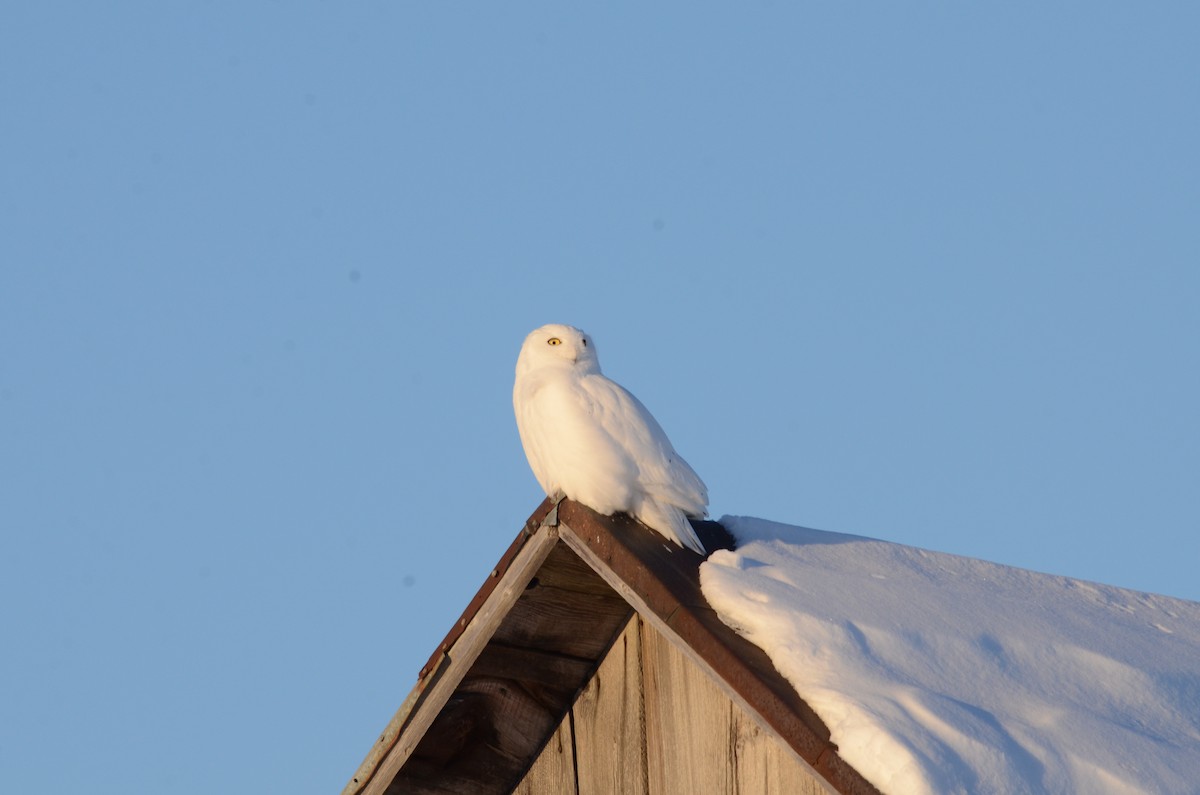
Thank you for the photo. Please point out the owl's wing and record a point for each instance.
(660, 471)
(567, 445)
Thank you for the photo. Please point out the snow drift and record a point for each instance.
(940, 674)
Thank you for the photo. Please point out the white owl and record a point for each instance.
(590, 439)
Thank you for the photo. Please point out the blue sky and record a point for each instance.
(927, 273)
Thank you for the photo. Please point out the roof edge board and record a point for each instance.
(423, 704)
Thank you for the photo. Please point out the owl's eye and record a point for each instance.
(554, 341)
(585, 342)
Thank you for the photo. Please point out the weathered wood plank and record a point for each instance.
(748, 675)
(764, 766)
(530, 666)
(553, 773)
(563, 569)
(689, 724)
(610, 722)
(563, 621)
(700, 741)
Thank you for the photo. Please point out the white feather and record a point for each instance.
(587, 437)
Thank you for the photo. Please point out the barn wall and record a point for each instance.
(651, 723)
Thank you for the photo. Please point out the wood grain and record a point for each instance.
(764, 766)
(700, 741)
(688, 724)
(562, 621)
(553, 773)
(610, 722)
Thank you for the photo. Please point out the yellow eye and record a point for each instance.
(554, 341)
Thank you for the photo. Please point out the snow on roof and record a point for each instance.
(937, 673)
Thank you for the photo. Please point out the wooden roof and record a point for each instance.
(499, 684)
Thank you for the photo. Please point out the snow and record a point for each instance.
(942, 674)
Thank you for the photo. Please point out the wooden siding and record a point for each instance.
(650, 722)
(609, 721)
(554, 770)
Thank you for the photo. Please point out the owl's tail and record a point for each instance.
(669, 522)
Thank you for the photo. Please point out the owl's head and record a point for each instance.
(556, 345)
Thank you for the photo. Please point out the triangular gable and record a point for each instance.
(500, 685)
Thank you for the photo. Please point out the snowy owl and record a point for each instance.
(588, 438)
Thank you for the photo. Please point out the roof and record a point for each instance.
(542, 621)
(942, 673)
